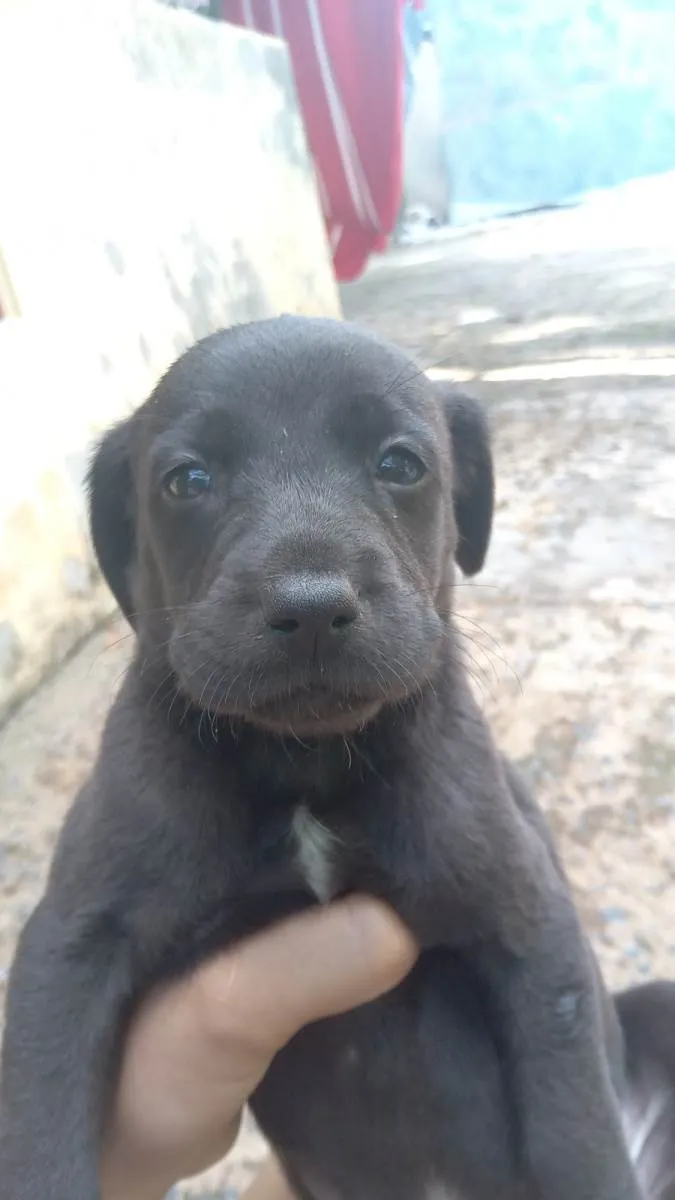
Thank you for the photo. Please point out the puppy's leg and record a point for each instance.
(549, 1005)
(647, 1015)
(562, 1037)
(495, 890)
(67, 994)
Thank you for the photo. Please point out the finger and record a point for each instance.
(323, 962)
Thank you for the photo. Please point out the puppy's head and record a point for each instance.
(279, 522)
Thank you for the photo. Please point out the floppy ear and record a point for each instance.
(111, 515)
(473, 477)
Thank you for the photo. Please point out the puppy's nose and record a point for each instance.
(307, 608)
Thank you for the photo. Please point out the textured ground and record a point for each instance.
(565, 325)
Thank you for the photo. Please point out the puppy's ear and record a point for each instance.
(473, 477)
(111, 513)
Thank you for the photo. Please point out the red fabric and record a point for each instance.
(348, 61)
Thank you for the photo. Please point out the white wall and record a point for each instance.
(156, 185)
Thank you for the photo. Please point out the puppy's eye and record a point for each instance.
(188, 482)
(400, 466)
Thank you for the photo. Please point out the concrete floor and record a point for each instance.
(564, 324)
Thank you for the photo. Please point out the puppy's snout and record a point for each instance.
(310, 609)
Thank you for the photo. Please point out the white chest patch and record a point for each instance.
(438, 1191)
(316, 853)
(647, 1122)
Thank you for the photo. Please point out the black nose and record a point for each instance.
(310, 607)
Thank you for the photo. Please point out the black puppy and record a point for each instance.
(279, 523)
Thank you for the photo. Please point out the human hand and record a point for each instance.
(197, 1048)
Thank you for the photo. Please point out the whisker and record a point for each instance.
(474, 583)
(496, 644)
(175, 696)
(395, 663)
(255, 678)
(199, 728)
(404, 659)
(212, 711)
(284, 745)
(162, 683)
(360, 752)
(464, 641)
(200, 701)
(186, 709)
(125, 637)
(348, 753)
(221, 702)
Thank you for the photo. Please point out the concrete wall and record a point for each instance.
(156, 185)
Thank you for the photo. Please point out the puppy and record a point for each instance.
(279, 523)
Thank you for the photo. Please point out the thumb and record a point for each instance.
(199, 1047)
(320, 963)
